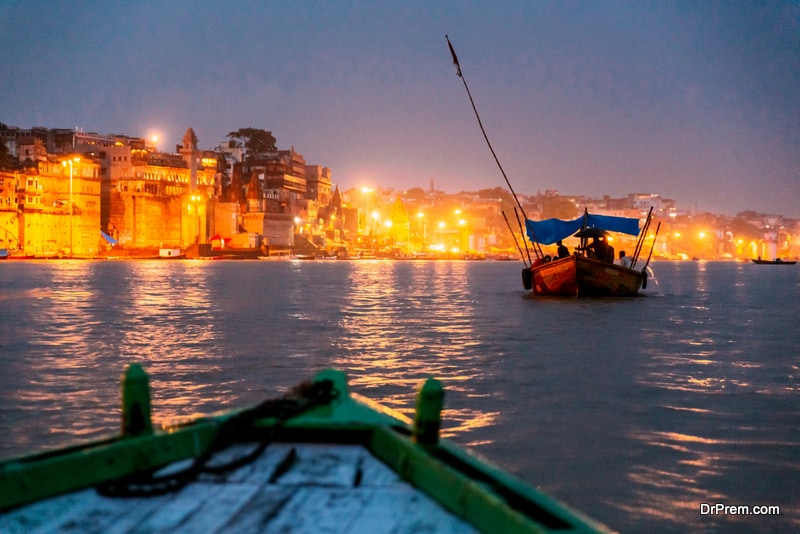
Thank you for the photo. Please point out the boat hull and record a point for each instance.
(773, 262)
(584, 277)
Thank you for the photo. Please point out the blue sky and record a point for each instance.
(696, 101)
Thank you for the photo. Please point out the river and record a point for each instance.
(635, 411)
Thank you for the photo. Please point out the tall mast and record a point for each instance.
(480, 123)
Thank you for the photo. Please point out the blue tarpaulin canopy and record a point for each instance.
(549, 231)
(108, 238)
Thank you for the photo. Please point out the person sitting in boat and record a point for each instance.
(598, 249)
(541, 261)
(563, 251)
(624, 260)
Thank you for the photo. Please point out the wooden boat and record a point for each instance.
(319, 459)
(578, 274)
(777, 261)
(207, 251)
(170, 253)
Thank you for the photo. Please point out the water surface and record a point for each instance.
(635, 411)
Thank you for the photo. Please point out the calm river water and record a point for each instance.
(635, 411)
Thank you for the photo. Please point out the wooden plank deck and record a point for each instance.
(290, 489)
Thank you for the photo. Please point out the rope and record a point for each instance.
(300, 399)
(480, 123)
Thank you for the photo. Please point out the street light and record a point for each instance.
(421, 217)
(196, 201)
(64, 163)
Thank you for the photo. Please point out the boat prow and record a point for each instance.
(318, 459)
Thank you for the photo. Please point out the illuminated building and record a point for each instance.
(154, 199)
(58, 203)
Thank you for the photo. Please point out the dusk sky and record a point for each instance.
(694, 100)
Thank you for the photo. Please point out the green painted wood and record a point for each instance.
(26, 480)
(481, 494)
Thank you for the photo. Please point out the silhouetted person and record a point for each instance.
(563, 251)
(598, 249)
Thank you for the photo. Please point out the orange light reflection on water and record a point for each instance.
(697, 459)
(168, 329)
(158, 306)
(663, 491)
(385, 349)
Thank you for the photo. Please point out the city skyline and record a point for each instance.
(432, 188)
(693, 102)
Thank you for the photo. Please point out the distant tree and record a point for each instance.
(507, 202)
(497, 192)
(748, 214)
(558, 208)
(416, 193)
(743, 229)
(254, 140)
(6, 159)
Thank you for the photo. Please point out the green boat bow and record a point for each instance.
(323, 411)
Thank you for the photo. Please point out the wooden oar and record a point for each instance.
(538, 252)
(651, 247)
(639, 243)
(515, 240)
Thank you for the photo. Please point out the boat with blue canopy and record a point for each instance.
(590, 271)
(550, 231)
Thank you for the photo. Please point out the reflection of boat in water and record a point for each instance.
(776, 261)
(590, 271)
(318, 459)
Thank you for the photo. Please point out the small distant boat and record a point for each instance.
(362, 255)
(203, 251)
(776, 261)
(318, 459)
(170, 253)
(506, 257)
